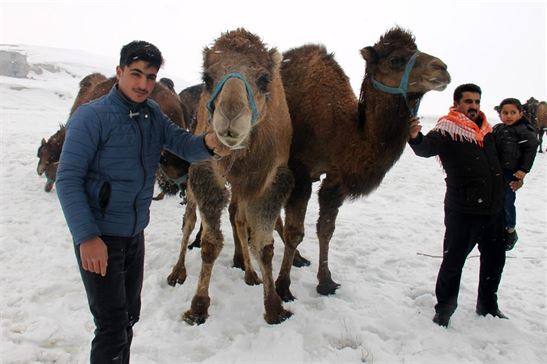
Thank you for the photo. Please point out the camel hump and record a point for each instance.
(92, 79)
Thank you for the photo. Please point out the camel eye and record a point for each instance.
(208, 81)
(263, 82)
(397, 62)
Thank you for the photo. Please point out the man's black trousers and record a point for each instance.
(115, 300)
(463, 231)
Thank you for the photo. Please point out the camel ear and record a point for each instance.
(369, 54)
(43, 141)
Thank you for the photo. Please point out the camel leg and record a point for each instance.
(330, 200)
(261, 216)
(299, 260)
(178, 273)
(238, 254)
(295, 212)
(211, 198)
(241, 239)
(197, 241)
(540, 139)
(159, 197)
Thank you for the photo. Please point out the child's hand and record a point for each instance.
(515, 185)
(520, 174)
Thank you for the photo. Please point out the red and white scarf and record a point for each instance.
(461, 128)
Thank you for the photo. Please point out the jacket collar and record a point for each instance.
(131, 107)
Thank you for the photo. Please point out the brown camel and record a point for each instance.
(536, 112)
(96, 85)
(243, 102)
(541, 122)
(353, 143)
(190, 100)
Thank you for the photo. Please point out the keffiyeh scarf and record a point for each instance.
(461, 128)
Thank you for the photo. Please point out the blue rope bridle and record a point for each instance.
(250, 96)
(403, 85)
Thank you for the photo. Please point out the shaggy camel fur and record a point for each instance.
(96, 85)
(536, 112)
(243, 102)
(541, 122)
(352, 143)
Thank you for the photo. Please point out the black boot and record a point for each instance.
(482, 310)
(441, 319)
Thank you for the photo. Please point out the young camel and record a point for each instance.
(244, 104)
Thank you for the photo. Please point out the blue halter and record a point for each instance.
(250, 96)
(403, 85)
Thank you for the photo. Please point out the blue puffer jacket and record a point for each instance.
(105, 179)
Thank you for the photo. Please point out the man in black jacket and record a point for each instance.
(473, 202)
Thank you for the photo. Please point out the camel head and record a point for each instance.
(174, 170)
(49, 151)
(395, 65)
(237, 73)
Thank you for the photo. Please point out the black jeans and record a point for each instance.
(115, 300)
(463, 231)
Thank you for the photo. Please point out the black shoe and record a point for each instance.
(510, 239)
(494, 312)
(441, 319)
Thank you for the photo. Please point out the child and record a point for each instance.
(516, 143)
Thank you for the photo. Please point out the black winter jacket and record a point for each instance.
(516, 144)
(474, 181)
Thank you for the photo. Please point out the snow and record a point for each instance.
(385, 253)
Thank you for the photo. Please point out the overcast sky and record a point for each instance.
(500, 45)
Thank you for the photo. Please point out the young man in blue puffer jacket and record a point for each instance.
(105, 184)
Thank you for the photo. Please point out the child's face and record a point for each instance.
(510, 114)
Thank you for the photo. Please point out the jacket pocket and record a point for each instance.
(104, 196)
(98, 191)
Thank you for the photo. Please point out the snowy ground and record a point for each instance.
(384, 253)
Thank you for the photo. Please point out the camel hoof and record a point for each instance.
(274, 319)
(283, 291)
(176, 277)
(194, 319)
(326, 289)
(195, 244)
(238, 263)
(159, 196)
(251, 279)
(299, 261)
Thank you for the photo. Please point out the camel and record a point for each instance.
(536, 112)
(48, 155)
(541, 123)
(244, 103)
(190, 100)
(49, 151)
(96, 85)
(353, 143)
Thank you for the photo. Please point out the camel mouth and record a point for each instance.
(232, 142)
(437, 84)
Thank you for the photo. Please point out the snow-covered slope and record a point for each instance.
(384, 253)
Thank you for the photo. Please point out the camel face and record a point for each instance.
(49, 153)
(237, 77)
(396, 56)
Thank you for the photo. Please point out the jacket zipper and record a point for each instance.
(144, 176)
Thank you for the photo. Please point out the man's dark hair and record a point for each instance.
(139, 50)
(467, 87)
(511, 101)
